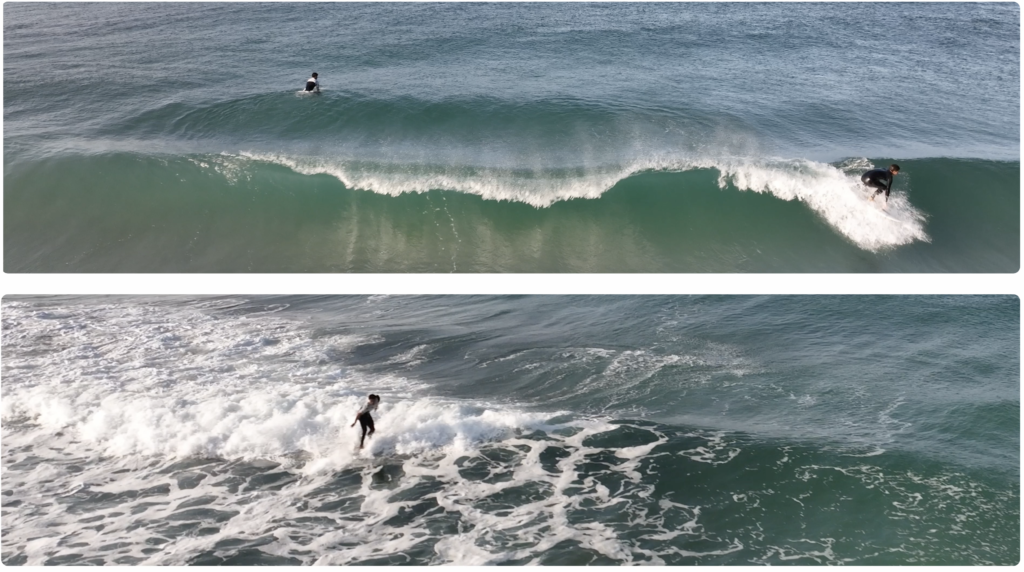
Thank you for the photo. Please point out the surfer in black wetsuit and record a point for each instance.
(880, 180)
(313, 84)
(364, 419)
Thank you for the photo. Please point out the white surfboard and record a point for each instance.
(879, 205)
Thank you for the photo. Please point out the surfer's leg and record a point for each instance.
(362, 423)
(877, 188)
(369, 421)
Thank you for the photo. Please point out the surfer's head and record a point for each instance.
(894, 168)
(314, 74)
(374, 398)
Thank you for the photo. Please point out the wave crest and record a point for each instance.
(833, 192)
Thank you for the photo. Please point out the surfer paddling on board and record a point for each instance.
(364, 419)
(880, 180)
(313, 84)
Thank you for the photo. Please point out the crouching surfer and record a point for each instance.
(880, 180)
(313, 84)
(363, 417)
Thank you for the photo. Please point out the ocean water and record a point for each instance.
(512, 430)
(510, 137)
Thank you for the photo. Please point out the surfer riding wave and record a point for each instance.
(364, 418)
(880, 180)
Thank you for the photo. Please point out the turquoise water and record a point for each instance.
(866, 430)
(510, 137)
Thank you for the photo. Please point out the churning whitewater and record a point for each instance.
(511, 430)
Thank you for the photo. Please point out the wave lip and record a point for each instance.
(835, 193)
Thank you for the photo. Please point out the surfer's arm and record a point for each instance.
(359, 414)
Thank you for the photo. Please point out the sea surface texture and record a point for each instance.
(512, 430)
(510, 137)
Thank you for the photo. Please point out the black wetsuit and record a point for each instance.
(878, 179)
(365, 421)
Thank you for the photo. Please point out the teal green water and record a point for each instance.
(221, 215)
(510, 138)
(862, 430)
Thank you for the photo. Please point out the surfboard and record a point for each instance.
(893, 219)
(878, 204)
(880, 210)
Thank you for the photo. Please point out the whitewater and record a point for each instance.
(512, 430)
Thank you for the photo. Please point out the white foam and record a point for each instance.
(124, 417)
(413, 357)
(189, 386)
(184, 383)
(717, 451)
(157, 434)
(834, 193)
(623, 378)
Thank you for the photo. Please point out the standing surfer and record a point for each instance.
(313, 84)
(363, 417)
(880, 180)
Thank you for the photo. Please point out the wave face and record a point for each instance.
(270, 213)
(544, 430)
(668, 118)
